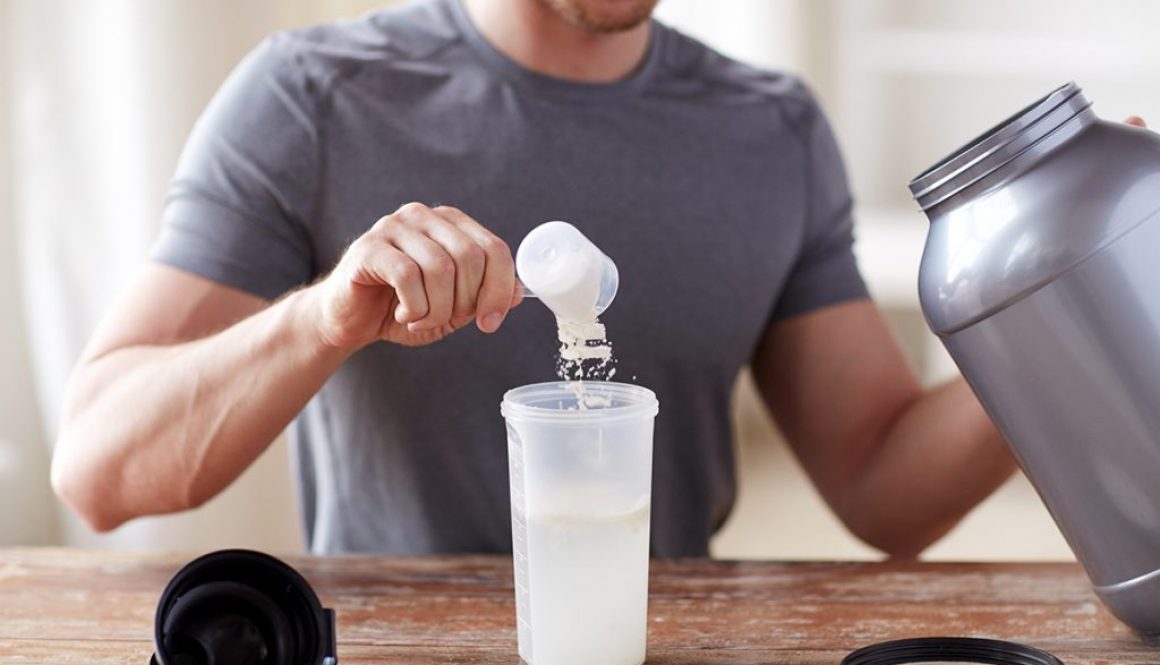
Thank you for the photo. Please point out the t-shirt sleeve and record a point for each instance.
(240, 204)
(825, 272)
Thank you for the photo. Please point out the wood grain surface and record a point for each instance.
(67, 606)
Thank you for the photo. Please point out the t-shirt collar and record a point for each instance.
(545, 83)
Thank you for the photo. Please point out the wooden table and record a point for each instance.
(67, 606)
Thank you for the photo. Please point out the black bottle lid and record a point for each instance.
(239, 607)
(950, 650)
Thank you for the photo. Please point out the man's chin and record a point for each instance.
(604, 16)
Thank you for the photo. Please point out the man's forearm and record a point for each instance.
(154, 429)
(940, 458)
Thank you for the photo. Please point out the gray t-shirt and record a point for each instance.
(717, 188)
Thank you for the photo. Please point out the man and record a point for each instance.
(717, 188)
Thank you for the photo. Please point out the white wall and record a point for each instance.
(27, 516)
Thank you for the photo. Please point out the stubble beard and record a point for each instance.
(582, 13)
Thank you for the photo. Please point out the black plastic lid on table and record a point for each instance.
(950, 650)
(239, 607)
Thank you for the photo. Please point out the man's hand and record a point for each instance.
(416, 276)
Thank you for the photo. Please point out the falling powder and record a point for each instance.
(585, 352)
(587, 400)
(583, 341)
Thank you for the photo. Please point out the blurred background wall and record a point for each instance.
(97, 98)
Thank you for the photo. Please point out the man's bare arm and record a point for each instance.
(899, 466)
(187, 381)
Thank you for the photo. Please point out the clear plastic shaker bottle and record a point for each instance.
(581, 481)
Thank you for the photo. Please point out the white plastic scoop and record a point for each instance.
(559, 265)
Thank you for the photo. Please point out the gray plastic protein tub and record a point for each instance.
(1041, 276)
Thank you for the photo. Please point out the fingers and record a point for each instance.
(444, 266)
(383, 263)
(470, 263)
(438, 270)
(1136, 121)
(496, 291)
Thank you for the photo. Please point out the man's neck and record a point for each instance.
(541, 40)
